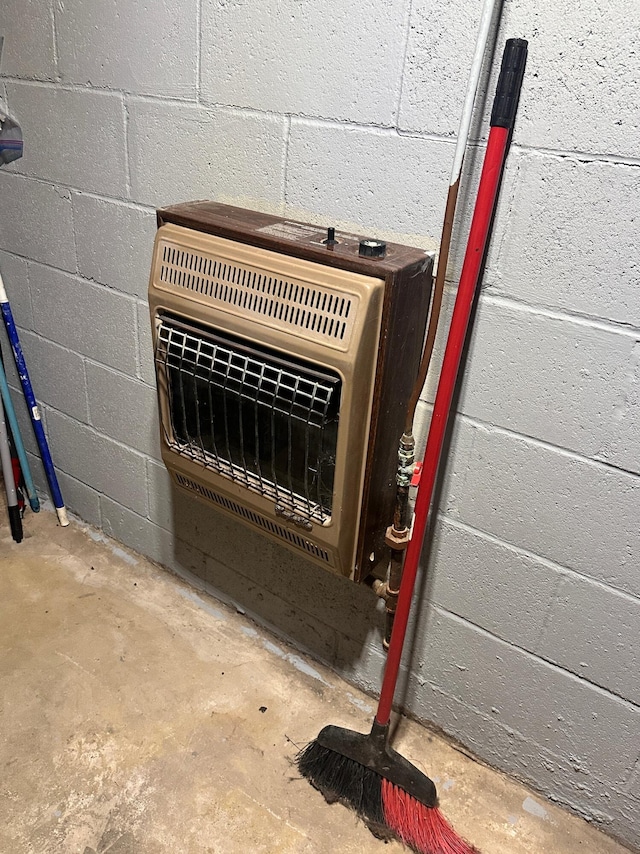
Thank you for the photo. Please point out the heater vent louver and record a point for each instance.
(319, 313)
(255, 518)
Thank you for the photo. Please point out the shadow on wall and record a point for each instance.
(326, 615)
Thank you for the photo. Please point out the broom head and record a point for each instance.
(391, 796)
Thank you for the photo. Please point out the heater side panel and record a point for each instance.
(407, 298)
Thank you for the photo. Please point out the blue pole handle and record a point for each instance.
(17, 441)
(32, 406)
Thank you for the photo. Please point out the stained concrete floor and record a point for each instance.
(141, 717)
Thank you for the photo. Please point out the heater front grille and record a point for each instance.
(267, 422)
(256, 518)
(320, 313)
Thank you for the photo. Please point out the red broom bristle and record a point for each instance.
(422, 828)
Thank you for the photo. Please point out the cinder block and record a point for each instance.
(342, 62)
(328, 600)
(621, 445)
(91, 157)
(490, 584)
(226, 540)
(567, 383)
(28, 40)
(271, 610)
(570, 237)
(616, 813)
(223, 154)
(161, 495)
(41, 224)
(124, 409)
(577, 513)
(114, 243)
(374, 179)
(57, 375)
(362, 664)
(593, 632)
(146, 370)
(456, 455)
(141, 535)
(251, 570)
(95, 321)
(633, 784)
(16, 282)
(568, 101)
(39, 477)
(438, 59)
(22, 413)
(500, 744)
(156, 46)
(545, 705)
(107, 466)
(601, 801)
(137, 532)
(80, 499)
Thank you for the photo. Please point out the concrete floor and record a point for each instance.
(140, 717)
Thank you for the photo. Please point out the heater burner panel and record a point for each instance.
(263, 421)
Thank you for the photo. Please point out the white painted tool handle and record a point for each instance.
(472, 88)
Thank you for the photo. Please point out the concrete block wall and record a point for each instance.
(526, 646)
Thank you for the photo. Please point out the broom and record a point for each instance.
(362, 771)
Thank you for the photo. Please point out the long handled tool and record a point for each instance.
(362, 771)
(15, 520)
(34, 502)
(11, 145)
(397, 536)
(11, 148)
(32, 405)
(452, 201)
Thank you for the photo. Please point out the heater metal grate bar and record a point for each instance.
(266, 422)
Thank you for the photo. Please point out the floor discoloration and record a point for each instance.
(139, 717)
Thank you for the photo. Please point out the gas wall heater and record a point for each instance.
(285, 357)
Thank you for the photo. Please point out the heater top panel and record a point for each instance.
(282, 292)
(294, 238)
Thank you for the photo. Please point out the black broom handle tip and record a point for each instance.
(505, 104)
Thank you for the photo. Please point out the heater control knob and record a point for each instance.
(330, 240)
(372, 248)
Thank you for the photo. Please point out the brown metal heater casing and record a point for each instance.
(245, 285)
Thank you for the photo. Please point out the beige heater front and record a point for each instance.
(217, 302)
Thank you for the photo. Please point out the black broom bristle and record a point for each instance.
(342, 779)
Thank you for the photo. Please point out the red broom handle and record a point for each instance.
(502, 117)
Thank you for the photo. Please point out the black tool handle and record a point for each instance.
(505, 104)
(15, 521)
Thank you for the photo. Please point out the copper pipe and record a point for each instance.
(436, 303)
(397, 535)
(392, 592)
